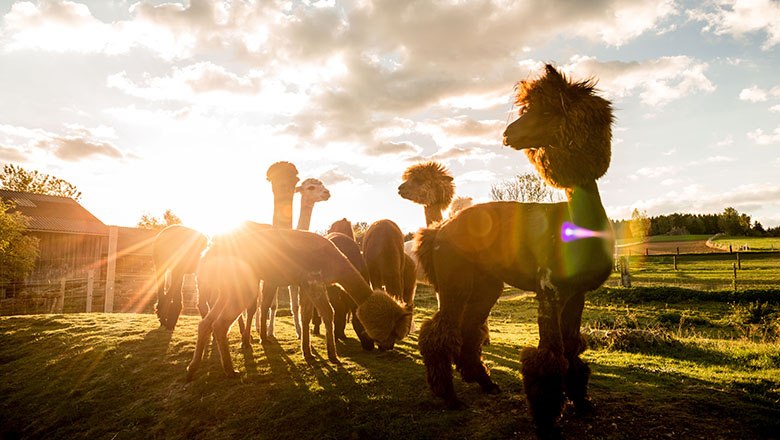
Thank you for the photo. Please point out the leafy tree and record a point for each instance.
(18, 251)
(640, 224)
(16, 178)
(149, 221)
(527, 187)
(733, 223)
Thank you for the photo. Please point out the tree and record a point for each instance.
(18, 251)
(359, 229)
(733, 223)
(149, 221)
(16, 178)
(528, 187)
(640, 224)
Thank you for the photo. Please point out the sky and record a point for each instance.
(147, 106)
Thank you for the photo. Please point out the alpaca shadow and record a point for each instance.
(156, 341)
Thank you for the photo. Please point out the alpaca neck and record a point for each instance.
(283, 210)
(304, 220)
(354, 283)
(432, 214)
(586, 209)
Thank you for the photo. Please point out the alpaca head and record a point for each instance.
(564, 128)
(459, 204)
(385, 320)
(427, 183)
(312, 191)
(344, 226)
(283, 177)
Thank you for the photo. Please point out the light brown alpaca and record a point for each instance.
(312, 191)
(458, 204)
(383, 249)
(235, 263)
(558, 250)
(284, 178)
(428, 184)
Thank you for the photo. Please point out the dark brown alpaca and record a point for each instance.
(560, 251)
(344, 226)
(235, 263)
(383, 249)
(176, 249)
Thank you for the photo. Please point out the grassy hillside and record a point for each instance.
(675, 368)
(752, 243)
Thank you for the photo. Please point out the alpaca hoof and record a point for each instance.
(268, 340)
(342, 338)
(232, 374)
(308, 358)
(246, 345)
(190, 375)
(334, 360)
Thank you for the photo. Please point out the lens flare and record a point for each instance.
(571, 232)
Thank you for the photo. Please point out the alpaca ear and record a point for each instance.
(298, 189)
(448, 178)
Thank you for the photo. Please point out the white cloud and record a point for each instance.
(657, 82)
(740, 17)
(759, 137)
(753, 94)
(75, 144)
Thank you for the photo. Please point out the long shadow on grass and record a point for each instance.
(658, 403)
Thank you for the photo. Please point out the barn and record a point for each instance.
(84, 264)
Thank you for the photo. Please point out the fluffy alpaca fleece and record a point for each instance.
(565, 129)
(176, 249)
(235, 263)
(428, 184)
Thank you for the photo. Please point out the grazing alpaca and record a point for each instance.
(234, 264)
(283, 177)
(459, 204)
(312, 191)
(383, 249)
(344, 226)
(176, 249)
(558, 250)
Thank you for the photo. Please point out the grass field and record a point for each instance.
(666, 364)
(753, 243)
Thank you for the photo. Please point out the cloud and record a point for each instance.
(759, 137)
(394, 148)
(657, 82)
(76, 144)
(335, 176)
(12, 154)
(449, 132)
(753, 94)
(740, 17)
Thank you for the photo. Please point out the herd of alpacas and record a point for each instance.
(564, 129)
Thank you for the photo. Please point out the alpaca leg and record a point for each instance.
(573, 345)
(221, 327)
(544, 368)
(439, 343)
(267, 297)
(175, 299)
(473, 334)
(246, 334)
(295, 308)
(339, 312)
(306, 310)
(204, 332)
(319, 297)
(273, 309)
(162, 300)
(316, 322)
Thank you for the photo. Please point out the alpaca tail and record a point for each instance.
(425, 243)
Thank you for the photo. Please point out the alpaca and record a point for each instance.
(176, 249)
(459, 204)
(558, 250)
(428, 184)
(283, 177)
(234, 264)
(344, 226)
(383, 249)
(312, 191)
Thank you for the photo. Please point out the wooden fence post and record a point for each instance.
(90, 287)
(734, 265)
(625, 274)
(674, 257)
(113, 234)
(61, 299)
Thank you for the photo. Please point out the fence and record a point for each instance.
(703, 271)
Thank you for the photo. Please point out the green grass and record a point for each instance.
(754, 243)
(705, 271)
(117, 376)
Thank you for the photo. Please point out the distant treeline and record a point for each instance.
(729, 222)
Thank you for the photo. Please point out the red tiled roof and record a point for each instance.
(54, 213)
